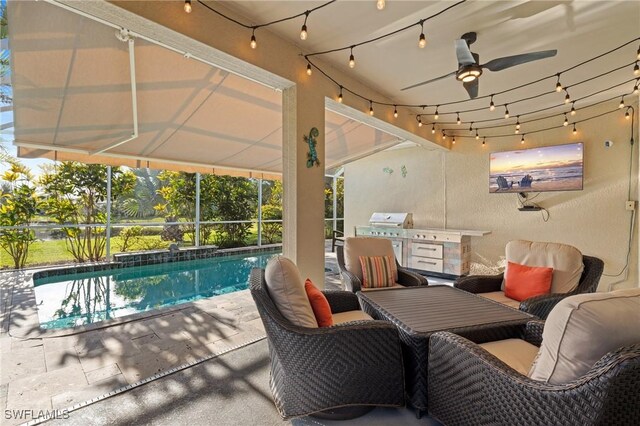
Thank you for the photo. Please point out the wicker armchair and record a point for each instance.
(353, 283)
(469, 386)
(315, 370)
(539, 306)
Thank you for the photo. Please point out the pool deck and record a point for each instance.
(45, 370)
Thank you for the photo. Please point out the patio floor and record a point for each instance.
(45, 370)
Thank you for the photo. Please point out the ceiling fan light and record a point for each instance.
(468, 73)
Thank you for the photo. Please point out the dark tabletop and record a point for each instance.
(439, 307)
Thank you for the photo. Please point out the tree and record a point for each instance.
(272, 210)
(18, 206)
(146, 195)
(234, 199)
(328, 203)
(76, 194)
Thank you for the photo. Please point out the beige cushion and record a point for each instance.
(583, 328)
(516, 353)
(396, 285)
(498, 296)
(349, 316)
(354, 247)
(565, 260)
(286, 288)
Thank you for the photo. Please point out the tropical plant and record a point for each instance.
(145, 196)
(129, 236)
(272, 210)
(18, 207)
(75, 194)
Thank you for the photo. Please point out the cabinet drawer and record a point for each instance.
(425, 264)
(426, 250)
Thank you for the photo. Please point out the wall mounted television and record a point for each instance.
(549, 168)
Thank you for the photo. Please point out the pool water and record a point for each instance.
(79, 299)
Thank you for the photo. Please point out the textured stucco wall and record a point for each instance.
(452, 188)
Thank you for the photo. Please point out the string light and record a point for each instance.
(308, 69)
(575, 131)
(635, 88)
(471, 127)
(422, 41)
(484, 140)
(522, 139)
(187, 6)
(558, 85)
(567, 98)
(370, 107)
(573, 108)
(254, 42)
(419, 121)
(380, 4)
(433, 128)
(566, 121)
(303, 30)
(636, 69)
(352, 59)
(627, 115)
(506, 111)
(453, 141)
(477, 135)
(492, 106)
(395, 111)
(458, 121)
(517, 122)
(638, 55)
(621, 103)
(435, 116)
(340, 95)
(444, 135)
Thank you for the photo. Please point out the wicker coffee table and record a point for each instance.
(418, 312)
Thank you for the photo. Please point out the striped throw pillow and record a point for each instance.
(378, 271)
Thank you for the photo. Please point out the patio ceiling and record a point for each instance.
(73, 101)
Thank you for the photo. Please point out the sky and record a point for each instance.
(536, 158)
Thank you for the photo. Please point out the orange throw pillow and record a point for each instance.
(523, 282)
(319, 304)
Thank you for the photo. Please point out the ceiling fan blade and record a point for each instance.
(463, 53)
(500, 64)
(430, 81)
(472, 88)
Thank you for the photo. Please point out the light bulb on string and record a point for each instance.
(573, 108)
(419, 121)
(627, 116)
(635, 88)
(566, 121)
(492, 106)
(303, 30)
(477, 135)
(187, 6)
(621, 105)
(458, 121)
(309, 69)
(433, 128)
(444, 135)
(453, 141)
(636, 69)
(522, 139)
(254, 42)
(352, 59)
(506, 111)
(575, 131)
(380, 4)
(558, 84)
(370, 107)
(436, 116)
(638, 55)
(395, 111)
(484, 140)
(517, 122)
(471, 127)
(567, 98)
(340, 95)
(422, 40)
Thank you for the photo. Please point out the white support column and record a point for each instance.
(303, 201)
(335, 202)
(197, 236)
(108, 230)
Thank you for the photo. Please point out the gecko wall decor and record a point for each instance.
(312, 155)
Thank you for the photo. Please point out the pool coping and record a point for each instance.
(105, 266)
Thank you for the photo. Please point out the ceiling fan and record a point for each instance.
(469, 68)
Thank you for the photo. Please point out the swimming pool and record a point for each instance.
(84, 298)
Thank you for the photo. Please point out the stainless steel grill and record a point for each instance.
(391, 220)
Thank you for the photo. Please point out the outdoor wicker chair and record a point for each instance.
(351, 274)
(340, 371)
(540, 306)
(503, 383)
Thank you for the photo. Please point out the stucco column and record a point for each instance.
(303, 216)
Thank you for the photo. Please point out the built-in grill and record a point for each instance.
(391, 220)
